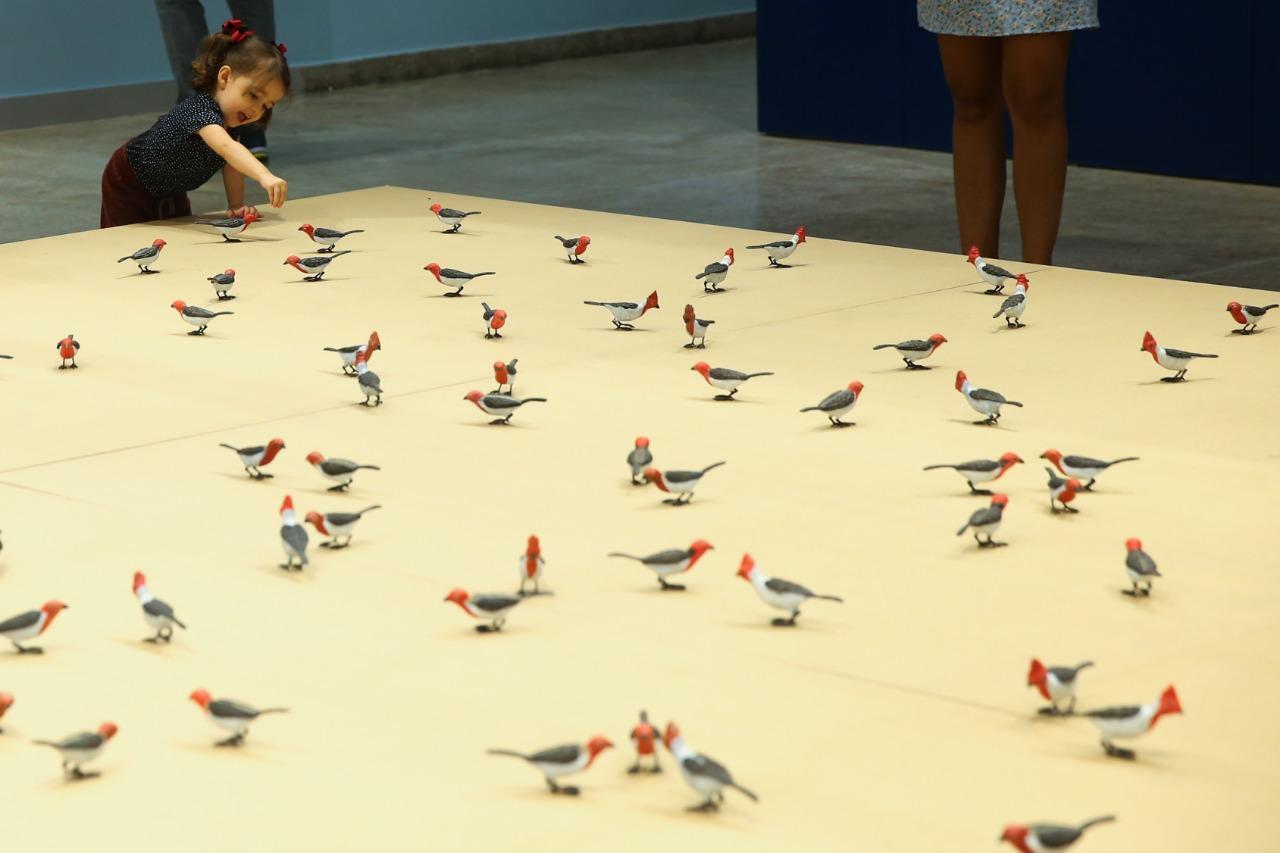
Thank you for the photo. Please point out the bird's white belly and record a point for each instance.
(782, 252)
(682, 488)
(989, 528)
(238, 725)
(1168, 362)
(704, 785)
(157, 622)
(1126, 728)
(1081, 473)
(1057, 690)
(195, 321)
(554, 771)
(81, 756)
(340, 529)
(19, 634)
(724, 384)
(981, 476)
(986, 407)
(665, 569)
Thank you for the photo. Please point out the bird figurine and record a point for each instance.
(67, 349)
(1062, 491)
(990, 273)
(222, 283)
(779, 593)
(327, 237)
(1057, 684)
(79, 749)
(915, 351)
(1177, 360)
(503, 374)
(313, 268)
(231, 715)
(146, 256)
(724, 378)
(1248, 316)
(987, 521)
(714, 274)
(982, 400)
(531, 565)
(293, 536)
(701, 773)
(158, 614)
(494, 319)
(639, 458)
(491, 608)
(194, 315)
(780, 250)
(644, 735)
(982, 470)
(453, 280)
(338, 526)
(559, 761)
(452, 218)
(696, 329)
(253, 458)
(348, 353)
(499, 406)
(673, 561)
(29, 625)
(837, 404)
(574, 247)
(1047, 837)
(1014, 304)
(1130, 721)
(231, 225)
(624, 312)
(341, 471)
(682, 483)
(370, 383)
(1140, 568)
(1082, 467)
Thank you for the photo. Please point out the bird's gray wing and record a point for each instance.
(22, 620)
(156, 607)
(1000, 272)
(329, 233)
(1056, 837)
(84, 740)
(566, 754)
(233, 709)
(986, 394)
(680, 476)
(295, 535)
(915, 346)
(700, 765)
(782, 587)
(500, 401)
(669, 557)
(978, 465)
(836, 400)
(493, 603)
(1119, 712)
(1083, 462)
(1140, 561)
(726, 373)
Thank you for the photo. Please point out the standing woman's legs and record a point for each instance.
(182, 25)
(1035, 74)
(972, 65)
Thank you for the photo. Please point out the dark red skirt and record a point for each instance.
(125, 201)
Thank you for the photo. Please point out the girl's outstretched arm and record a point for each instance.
(233, 181)
(239, 158)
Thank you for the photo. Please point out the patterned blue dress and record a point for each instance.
(1006, 17)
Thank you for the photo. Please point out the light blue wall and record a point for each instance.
(61, 45)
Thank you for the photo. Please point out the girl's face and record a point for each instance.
(244, 98)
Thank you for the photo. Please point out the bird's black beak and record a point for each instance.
(285, 264)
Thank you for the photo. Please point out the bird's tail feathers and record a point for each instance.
(932, 467)
(510, 752)
(709, 467)
(333, 255)
(761, 246)
(1084, 665)
(175, 620)
(533, 400)
(125, 258)
(1269, 307)
(1123, 459)
(478, 274)
(273, 711)
(884, 346)
(229, 447)
(45, 743)
(584, 302)
(746, 792)
(627, 556)
(1013, 403)
(811, 409)
(961, 531)
(356, 231)
(762, 373)
(369, 509)
(1096, 820)
(370, 467)
(1204, 355)
(835, 598)
(472, 213)
(220, 313)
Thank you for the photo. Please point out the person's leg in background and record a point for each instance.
(1035, 74)
(183, 26)
(259, 16)
(973, 69)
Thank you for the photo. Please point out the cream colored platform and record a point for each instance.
(898, 721)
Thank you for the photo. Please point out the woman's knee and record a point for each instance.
(1034, 102)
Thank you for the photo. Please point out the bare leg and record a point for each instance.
(973, 69)
(1035, 73)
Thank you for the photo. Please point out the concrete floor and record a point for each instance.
(671, 134)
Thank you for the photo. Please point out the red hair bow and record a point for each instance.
(280, 47)
(235, 28)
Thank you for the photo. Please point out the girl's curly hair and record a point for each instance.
(245, 53)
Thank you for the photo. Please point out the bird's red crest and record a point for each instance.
(315, 457)
(652, 301)
(287, 504)
(729, 254)
(139, 579)
(52, 609)
(458, 596)
(703, 368)
(1017, 836)
(473, 396)
(937, 339)
(178, 305)
(375, 342)
(201, 697)
(960, 380)
(1011, 458)
(583, 242)
(1133, 544)
(434, 269)
(311, 231)
(642, 442)
(595, 746)
(856, 387)
(653, 475)
(534, 548)
(671, 735)
(800, 232)
(1169, 703)
(6, 702)
(108, 730)
(158, 243)
(1024, 281)
(999, 500)
(746, 567)
(436, 208)
(316, 520)
(1149, 342)
(974, 254)
(292, 260)
(1037, 673)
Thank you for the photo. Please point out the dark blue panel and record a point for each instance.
(1172, 87)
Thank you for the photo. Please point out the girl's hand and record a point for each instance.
(277, 189)
(239, 212)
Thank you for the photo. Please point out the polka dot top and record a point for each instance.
(170, 158)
